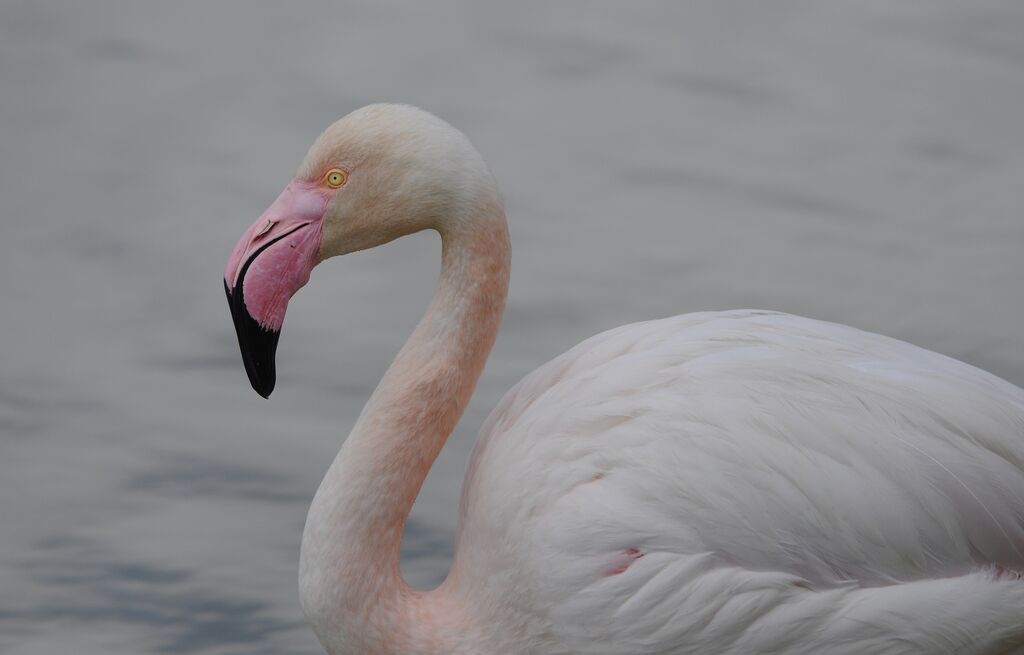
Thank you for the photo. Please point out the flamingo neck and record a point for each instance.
(351, 585)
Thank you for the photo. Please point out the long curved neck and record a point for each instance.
(351, 586)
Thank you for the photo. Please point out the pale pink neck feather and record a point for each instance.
(352, 588)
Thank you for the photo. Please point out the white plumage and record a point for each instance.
(790, 485)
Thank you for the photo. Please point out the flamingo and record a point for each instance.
(735, 482)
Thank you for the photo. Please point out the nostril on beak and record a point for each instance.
(265, 228)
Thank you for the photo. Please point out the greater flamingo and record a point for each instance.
(733, 482)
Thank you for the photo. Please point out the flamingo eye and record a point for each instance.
(335, 177)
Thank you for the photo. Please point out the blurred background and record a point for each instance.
(855, 161)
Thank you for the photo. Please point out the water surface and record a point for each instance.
(860, 162)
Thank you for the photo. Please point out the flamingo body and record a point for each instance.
(752, 482)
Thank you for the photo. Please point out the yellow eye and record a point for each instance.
(335, 177)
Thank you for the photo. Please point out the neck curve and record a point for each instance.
(351, 587)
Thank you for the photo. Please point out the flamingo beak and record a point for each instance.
(272, 261)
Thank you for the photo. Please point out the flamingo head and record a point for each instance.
(379, 173)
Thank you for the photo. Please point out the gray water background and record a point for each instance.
(856, 161)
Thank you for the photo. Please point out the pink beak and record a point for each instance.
(272, 261)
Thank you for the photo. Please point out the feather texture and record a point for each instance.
(791, 485)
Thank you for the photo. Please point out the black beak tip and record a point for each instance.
(257, 344)
(264, 385)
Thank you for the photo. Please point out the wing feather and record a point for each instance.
(766, 466)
